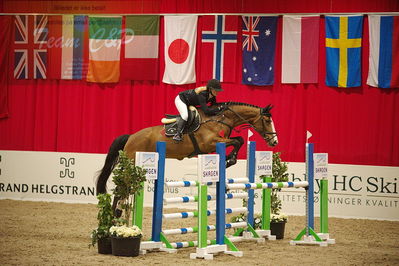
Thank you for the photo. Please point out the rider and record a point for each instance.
(197, 97)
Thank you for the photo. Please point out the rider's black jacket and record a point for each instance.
(190, 97)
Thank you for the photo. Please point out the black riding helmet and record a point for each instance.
(214, 84)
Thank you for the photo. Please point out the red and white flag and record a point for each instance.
(300, 49)
(180, 40)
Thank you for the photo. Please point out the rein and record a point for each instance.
(266, 136)
(249, 125)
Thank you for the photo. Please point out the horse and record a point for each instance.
(213, 129)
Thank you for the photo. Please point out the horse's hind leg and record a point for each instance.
(236, 142)
(117, 212)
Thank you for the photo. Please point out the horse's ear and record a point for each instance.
(268, 108)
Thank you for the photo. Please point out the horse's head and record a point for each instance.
(260, 119)
(263, 124)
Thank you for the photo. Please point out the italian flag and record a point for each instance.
(104, 49)
(141, 59)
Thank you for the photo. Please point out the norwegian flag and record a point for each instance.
(219, 48)
(30, 47)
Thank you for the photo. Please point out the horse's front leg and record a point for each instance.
(236, 142)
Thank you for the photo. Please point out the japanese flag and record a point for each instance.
(180, 40)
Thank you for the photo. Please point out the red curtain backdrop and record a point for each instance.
(353, 125)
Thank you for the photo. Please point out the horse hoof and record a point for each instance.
(118, 213)
(231, 162)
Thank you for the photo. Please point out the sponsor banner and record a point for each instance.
(264, 163)
(320, 165)
(355, 191)
(49, 176)
(208, 168)
(80, 7)
(149, 162)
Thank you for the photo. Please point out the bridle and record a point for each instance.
(267, 136)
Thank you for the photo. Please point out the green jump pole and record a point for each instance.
(137, 216)
(202, 216)
(266, 201)
(324, 206)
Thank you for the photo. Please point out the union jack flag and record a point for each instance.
(250, 33)
(30, 47)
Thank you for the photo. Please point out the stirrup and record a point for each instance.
(178, 137)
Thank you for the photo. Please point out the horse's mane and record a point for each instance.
(238, 103)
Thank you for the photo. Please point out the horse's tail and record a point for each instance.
(110, 162)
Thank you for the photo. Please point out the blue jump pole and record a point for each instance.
(310, 179)
(251, 177)
(220, 194)
(158, 193)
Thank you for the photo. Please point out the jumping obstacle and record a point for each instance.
(159, 236)
(308, 236)
(223, 243)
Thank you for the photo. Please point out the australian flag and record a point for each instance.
(259, 43)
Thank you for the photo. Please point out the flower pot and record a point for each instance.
(126, 246)
(104, 245)
(277, 229)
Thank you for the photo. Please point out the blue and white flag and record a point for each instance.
(259, 43)
(384, 51)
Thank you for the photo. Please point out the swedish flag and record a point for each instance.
(343, 50)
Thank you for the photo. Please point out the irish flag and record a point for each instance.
(104, 49)
(141, 58)
(300, 49)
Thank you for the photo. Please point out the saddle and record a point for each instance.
(192, 124)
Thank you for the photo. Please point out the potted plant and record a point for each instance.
(101, 236)
(129, 181)
(278, 219)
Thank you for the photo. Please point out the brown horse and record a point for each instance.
(213, 129)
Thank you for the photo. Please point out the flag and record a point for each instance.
(104, 49)
(300, 51)
(141, 48)
(219, 48)
(180, 40)
(66, 47)
(7, 27)
(343, 50)
(30, 52)
(259, 42)
(384, 51)
(308, 135)
(250, 134)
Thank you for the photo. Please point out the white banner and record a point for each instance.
(264, 163)
(149, 162)
(320, 165)
(49, 176)
(208, 168)
(356, 191)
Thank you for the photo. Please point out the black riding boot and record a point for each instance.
(179, 133)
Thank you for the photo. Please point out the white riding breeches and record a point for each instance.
(181, 107)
